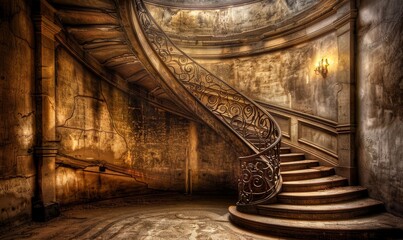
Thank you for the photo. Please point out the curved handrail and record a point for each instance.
(260, 178)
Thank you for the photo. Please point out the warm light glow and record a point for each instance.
(74, 142)
(321, 68)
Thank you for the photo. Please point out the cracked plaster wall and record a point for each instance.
(17, 172)
(380, 97)
(96, 121)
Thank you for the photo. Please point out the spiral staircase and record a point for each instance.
(295, 198)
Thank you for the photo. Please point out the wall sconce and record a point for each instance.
(321, 68)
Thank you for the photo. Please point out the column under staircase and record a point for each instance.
(312, 202)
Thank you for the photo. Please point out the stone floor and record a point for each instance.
(156, 216)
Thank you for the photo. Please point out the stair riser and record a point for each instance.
(292, 158)
(309, 175)
(313, 187)
(298, 166)
(329, 215)
(323, 200)
(285, 150)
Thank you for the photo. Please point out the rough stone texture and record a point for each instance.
(219, 165)
(16, 111)
(287, 78)
(380, 95)
(226, 21)
(98, 122)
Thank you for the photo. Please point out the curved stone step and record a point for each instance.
(326, 196)
(334, 211)
(314, 184)
(302, 164)
(302, 174)
(380, 226)
(290, 157)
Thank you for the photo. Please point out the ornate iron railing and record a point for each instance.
(260, 177)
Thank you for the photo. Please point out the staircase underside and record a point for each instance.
(317, 204)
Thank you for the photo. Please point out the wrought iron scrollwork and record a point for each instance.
(260, 177)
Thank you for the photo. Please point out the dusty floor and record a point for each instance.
(156, 216)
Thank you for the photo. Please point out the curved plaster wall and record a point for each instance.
(286, 77)
(226, 21)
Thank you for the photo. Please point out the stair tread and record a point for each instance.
(379, 221)
(325, 192)
(307, 170)
(326, 208)
(315, 180)
(299, 162)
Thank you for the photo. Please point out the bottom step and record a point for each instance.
(380, 226)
